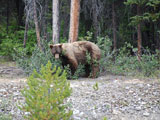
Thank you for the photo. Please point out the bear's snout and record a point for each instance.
(56, 56)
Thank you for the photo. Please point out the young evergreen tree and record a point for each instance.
(45, 94)
(138, 3)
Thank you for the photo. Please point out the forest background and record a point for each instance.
(127, 31)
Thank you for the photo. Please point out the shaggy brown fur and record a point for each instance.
(75, 53)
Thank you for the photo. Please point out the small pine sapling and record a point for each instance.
(45, 94)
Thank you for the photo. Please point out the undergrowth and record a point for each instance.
(123, 61)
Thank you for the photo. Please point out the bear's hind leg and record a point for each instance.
(95, 71)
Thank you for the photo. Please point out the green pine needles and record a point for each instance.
(45, 94)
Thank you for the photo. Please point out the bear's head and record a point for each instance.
(56, 50)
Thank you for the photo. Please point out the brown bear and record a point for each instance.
(75, 54)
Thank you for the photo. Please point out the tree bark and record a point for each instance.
(139, 35)
(158, 38)
(114, 27)
(25, 32)
(7, 16)
(36, 25)
(55, 21)
(95, 18)
(74, 20)
(20, 12)
(45, 19)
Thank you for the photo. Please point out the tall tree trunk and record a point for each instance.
(55, 21)
(7, 16)
(158, 38)
(74, 20)
(114, 27)
(152, 37)
(139, 41)
(36, 25)
(25, 32)
(95, 18)
(20, 12)
(45, 19)
(139, 35)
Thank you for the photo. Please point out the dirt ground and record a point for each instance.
(116, 98)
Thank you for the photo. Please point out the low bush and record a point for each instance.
(38, 58)
(105, 44)
(127, 64)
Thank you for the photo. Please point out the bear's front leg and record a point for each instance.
(73, 65)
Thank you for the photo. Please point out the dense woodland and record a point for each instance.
(131, 23)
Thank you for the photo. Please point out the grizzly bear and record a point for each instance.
(75, 54)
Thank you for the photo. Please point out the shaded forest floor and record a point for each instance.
(117, 97)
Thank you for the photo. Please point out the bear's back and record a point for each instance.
(79, 49)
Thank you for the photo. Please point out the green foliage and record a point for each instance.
(88, 58)
(13, 41)
(95, 86)
(88, 37)
(128, 64)
(38, 58)
(45, 94)
(105, 45)
(147, 15)
(137, 2)
(125, 63)
(78, 73)
(105, 118)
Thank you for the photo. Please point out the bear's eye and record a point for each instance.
(53, 51)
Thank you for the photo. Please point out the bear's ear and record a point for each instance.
(51, 46)
(60, 45)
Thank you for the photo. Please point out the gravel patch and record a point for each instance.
(116, 98)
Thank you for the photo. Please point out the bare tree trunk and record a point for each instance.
(55, 21)
(74, 20)
(139, 35)
(7, 15)
(158, 39)
(158, 42)
(95, 18)
(20, 8)
(25, 32)
(36, 25)
(45, 19)
(114, 27)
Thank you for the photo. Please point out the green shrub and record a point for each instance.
(78, 73)
(13, 41)
(124, 63)
(45, 94)
(38, 58)
(107, 54)
(128, 64)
